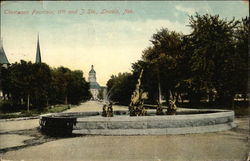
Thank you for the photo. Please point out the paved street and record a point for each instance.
(227, 145)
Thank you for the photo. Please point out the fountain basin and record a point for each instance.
(92, 123)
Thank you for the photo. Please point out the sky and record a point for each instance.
(110, 35)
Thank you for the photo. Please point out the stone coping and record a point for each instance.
(92, 123)
(158, 131)
(158, 117)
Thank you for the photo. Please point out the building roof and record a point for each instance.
(3, 58)
(92, 69)
(38, 52)
(94, 85)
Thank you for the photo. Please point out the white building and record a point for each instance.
(94, 86)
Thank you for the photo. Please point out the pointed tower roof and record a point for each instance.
(3, 58)
(92, 69)
(38, 52)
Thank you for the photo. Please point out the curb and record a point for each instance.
(20, 118)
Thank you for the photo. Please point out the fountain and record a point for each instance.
(159, 109)
(136, 106)
(107, 109)
(118, 122)
(171, 110)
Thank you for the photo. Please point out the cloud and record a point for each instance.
(122, 29)
(109, 45)
(190, 11)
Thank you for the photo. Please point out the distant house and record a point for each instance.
(94, 86)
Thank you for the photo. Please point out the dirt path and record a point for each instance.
(93, 106)
(17, 133)
(229, 145)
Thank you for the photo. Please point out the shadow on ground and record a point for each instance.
(38, 137)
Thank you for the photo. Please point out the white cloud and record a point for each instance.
(190, 11)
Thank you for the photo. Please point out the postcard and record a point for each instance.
(124, 80)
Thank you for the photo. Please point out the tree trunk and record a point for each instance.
(28, 103)
(66, 100)
(47, 102)
(245, 96)
(177, 97)
(3, 96)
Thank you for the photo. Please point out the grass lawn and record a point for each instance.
(33, 113)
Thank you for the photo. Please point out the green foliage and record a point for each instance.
(28, 79)
(215, 60)
(121, 87)
(210, 62)
(161, 63)
(69, 86)
(36, 86)
(33, 112)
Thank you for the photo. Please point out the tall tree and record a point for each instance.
(212, 61)
(22, 79)
(241, 58)
(163, 59)
(121, 87)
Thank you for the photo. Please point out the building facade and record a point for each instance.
(94, 86)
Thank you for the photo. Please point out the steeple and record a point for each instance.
(38, 52)
(92, 74)
(3, 58)
(92, 69)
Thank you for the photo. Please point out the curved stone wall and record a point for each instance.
(92, 123)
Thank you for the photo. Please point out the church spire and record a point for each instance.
(38, 52)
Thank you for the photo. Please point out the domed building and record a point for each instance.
(94, 86)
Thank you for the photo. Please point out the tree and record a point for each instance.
(121, 87)
(69, 86)
(213, 60)
(162, 61)
(61, 80)
(22, 82)
(210, 62)
(37, 85)
(78, 88)
(241, 56)
(41, 84)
